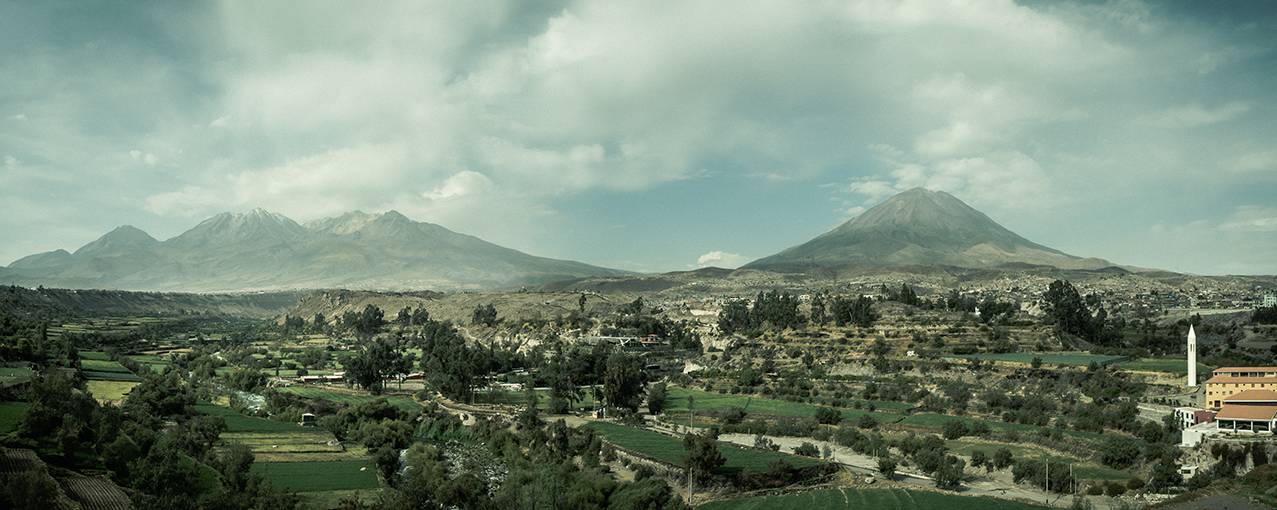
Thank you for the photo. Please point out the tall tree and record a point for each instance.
(623, 381)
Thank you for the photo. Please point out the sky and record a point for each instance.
(649, 136)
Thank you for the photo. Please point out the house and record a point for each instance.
(1228, 381)
(1188, 416)
(1253, 411)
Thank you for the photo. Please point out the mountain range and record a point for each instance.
(922, 227)
(259, 250)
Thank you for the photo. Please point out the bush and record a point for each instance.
(828, 416)
(1114, 490)
(866, 421)
(1135, 484)
(954, 429)
(1119, 451)
(1095, 490)
(807, 450)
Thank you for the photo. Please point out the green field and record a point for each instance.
(10, 376)
(1077, 360)
(670, 449)
(11, 415)
(320, 476)
(96, 365)
(1168, 366)
(877, 499)
(110, 390)
(933, 420)
(405, 403)
(94, 355)
(1081, 470)
(236, 422)
(676, 402)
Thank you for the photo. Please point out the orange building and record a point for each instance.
(1248, 411)
(1229, 381)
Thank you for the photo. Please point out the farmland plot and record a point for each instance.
(405, 403)
(878, 499)
(670, 449)
(320, 476)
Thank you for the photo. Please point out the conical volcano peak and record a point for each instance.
(921, 227)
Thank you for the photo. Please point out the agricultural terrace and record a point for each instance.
(96, 369)
(112, 392)
(670, 449)
(11, 415)
(878, 499)
(676, 402)
(937, 421)
(405, 403)
(302, 459)
(1167, 366)
(1082, 470)
(1076, 360)
(320, 476)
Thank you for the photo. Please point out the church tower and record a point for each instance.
(1192, 357)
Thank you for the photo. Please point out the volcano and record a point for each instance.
(922, 227)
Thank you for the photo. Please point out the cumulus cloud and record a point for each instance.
(721, 259)
(497, 114)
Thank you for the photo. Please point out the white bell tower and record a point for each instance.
(1192, 357)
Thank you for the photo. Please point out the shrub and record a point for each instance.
(1135, 484)
(807, 450)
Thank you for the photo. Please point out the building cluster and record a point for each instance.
(1239, 401)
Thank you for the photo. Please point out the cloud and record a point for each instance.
(721, 259)
(1195, 115)
(1252, 218)
(1265, 161)
(11, 162)
(461, 184)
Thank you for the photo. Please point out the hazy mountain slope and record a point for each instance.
(259, 250)
(920, 227)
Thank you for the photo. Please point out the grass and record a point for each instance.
(936, 421)
(11, 415)
(96, 365)
(405, 403)
(236, 422)
(101, 356)
(15, 375)
(1081, 470)
(1169, 366)
(320, 476)
(878, 499)
(1077, 360)
(676, 401)
(113, 391)
(670, 449)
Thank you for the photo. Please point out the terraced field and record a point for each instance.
(670, 449)
(320, 476)
(406, 403)
(877, 499)
(676, 401)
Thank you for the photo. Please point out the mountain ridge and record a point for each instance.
(260, 250)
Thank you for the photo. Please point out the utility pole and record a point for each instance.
(1048, 480)
(691, 401)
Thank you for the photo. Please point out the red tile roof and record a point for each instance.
(1253, 396)
(1246, 413)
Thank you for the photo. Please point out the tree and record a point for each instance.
(828, 416)
(954, 429)
(702, 454)
(887, 466)
(376, 361)
(623, 381)
(656, 398)
(1002, 459)
(484, 315)
(1118, 451)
